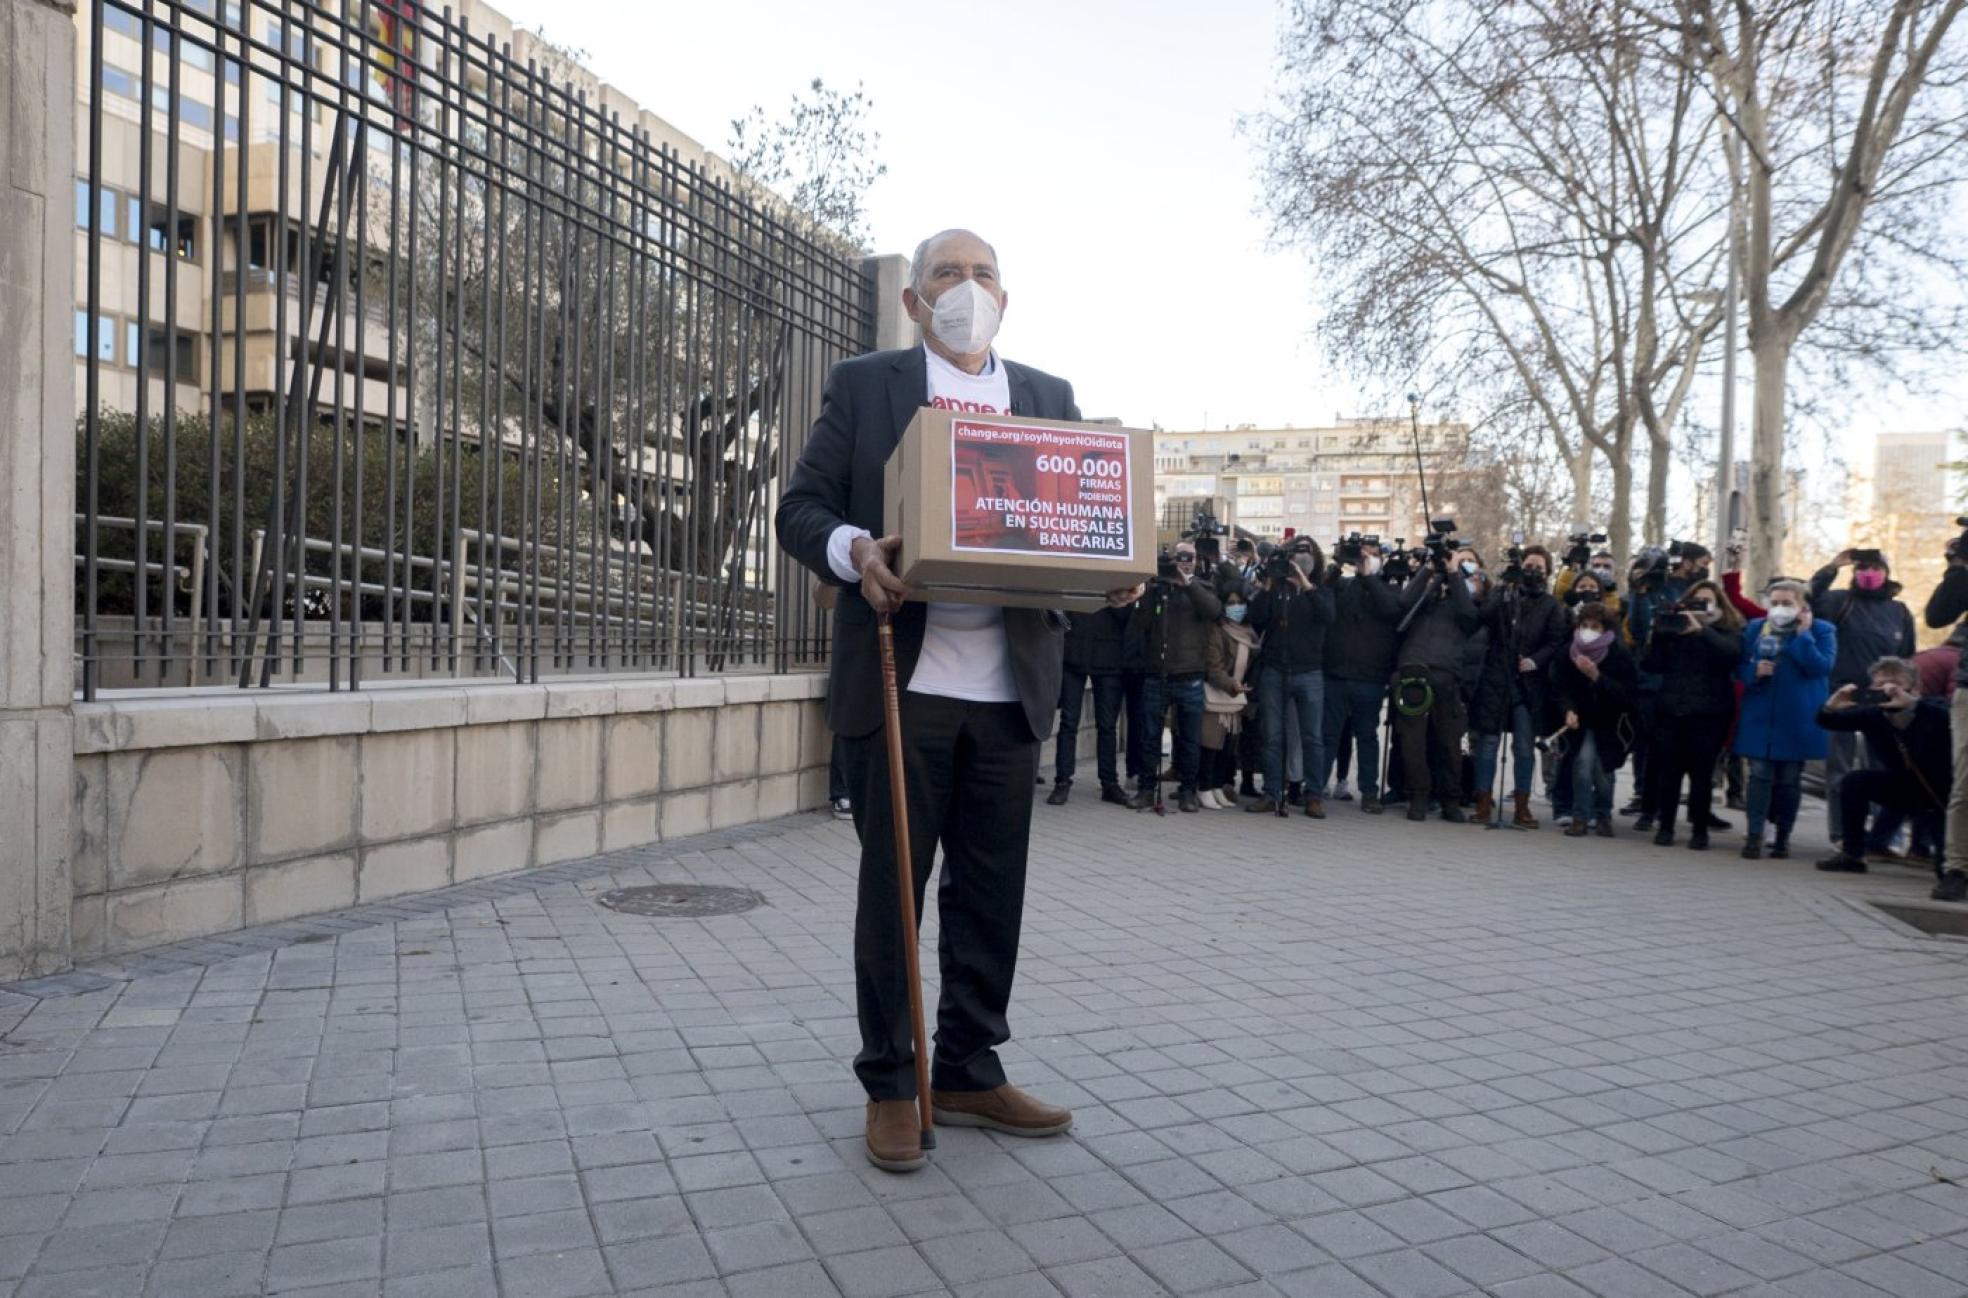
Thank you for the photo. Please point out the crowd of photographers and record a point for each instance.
(1430, 680)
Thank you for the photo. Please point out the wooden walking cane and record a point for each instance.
(905, 874)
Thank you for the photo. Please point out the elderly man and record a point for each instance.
(978, 688)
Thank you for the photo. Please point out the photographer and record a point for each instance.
(1660, 578)
(1595, 683)
(1249, 568)
(1439, 618)
(1693, 652)
(1872, 624)
(1949, 604)
(1292, 614)
(1908, 734)
(1094, 647)
(1359, 659)
(1784, 666)
(1175, 619)
(1527, 628)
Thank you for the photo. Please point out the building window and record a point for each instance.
(194, 114)
(118, 82)
(126, 24)
(81, 333)
(231, 128)
(111, 202)
(183, 354)
(81, 204)
(159, 236)
(130, 345)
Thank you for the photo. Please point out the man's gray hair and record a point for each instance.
(918, 262)
(1796, 588)
(1900, 667)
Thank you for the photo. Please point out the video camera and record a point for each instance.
(1579, 552)
(1204, 525)
(1439, 543)
(1874, 557)
(1165, 569)
(1351, 548)
(1399, 563)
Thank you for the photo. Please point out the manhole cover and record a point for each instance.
(681, 900)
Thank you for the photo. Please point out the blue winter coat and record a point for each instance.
(1779, 719)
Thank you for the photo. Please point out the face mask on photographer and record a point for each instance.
(1469, 568)
(1604, 572)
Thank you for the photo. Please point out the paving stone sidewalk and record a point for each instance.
(1351, 1058)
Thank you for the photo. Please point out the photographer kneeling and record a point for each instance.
(1907, 736)
(1292, 614)
(1175, 621)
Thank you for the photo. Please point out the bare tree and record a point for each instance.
(1850, 118)
(1508, 203)
(821, 157)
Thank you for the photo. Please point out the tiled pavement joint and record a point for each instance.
(1344, 1058)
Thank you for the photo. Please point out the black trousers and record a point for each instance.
(1134, 693)
(1107, 698)
(1684, 749)
(971, 768)
(1431, 745)
(1892, 791)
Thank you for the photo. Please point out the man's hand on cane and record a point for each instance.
(880, 586)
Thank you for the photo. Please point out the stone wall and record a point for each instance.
(198, 814)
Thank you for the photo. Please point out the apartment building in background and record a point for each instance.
(230, 99)
(1353, 475)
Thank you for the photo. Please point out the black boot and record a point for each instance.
(1664, 836)
(1061, 790)
(1952, 887)
(1114, 793)
(1780, 847)
(1143, 799)
(1753, 849)
(1698, 840)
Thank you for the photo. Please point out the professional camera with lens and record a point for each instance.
(1165, 569)
(1873, 557)
(1513, 570)
(1205, 524)
(1277, 569)
(1399, 563)
(1650, 568)
(1439, 543)
(1580, 552)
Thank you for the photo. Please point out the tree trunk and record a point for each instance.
(1658, 463)
(1619, 528)
(1580, 464)
(1771, 356)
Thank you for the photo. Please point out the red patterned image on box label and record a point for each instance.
(1062, 492)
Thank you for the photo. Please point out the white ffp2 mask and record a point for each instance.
(965, 318)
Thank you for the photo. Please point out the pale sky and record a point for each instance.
(1095, 143)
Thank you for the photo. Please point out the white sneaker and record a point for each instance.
(1209, 799)
(843, 809)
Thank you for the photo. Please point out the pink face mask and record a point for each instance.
(1869, 579)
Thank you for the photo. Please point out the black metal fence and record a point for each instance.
(401, 355)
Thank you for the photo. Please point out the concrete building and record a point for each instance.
(1906, 506)
(1354, 475)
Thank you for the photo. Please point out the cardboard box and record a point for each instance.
(1001, 509)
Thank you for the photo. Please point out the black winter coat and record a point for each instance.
(1175, 623)
(1926, 739)
(1948, 605)
(1439, 634)
(1872, 624)
(1542, 628)
(1697, 670)
(1360, 646)
(1095, 641)
(1604, 706)
(1293, 623)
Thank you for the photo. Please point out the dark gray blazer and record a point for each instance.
(867, 404)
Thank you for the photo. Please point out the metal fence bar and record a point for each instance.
(440, 259)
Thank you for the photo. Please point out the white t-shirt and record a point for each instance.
(964, 653)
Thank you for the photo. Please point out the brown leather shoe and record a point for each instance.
(1523, 819)
(1485, 806)
(1005, 1109)
(1315, 807)
(895, 1135)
